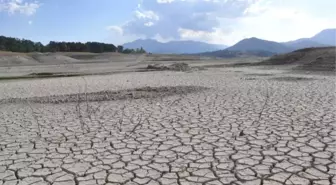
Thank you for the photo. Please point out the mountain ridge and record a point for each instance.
(176, 47)
(324, 38)
(256, 44)
(303, 43)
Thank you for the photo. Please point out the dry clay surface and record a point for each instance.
(240, 129)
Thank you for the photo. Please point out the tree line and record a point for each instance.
(26, 46)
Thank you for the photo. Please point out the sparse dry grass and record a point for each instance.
(9, 53)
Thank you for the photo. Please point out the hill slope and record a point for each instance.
(327, 37)
(303, 43)
(312, 59)
(255, 44)
(176, 47)
(233, 54)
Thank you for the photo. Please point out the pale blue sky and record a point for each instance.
(77, 20)
(119, 21)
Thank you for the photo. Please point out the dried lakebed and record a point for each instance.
(236, 131)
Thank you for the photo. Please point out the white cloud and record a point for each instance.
(271, 20)
(218, 36)
(146, 15)
(159, 38)
(149, 24)
(228, 21)
(116, 34)
(288, 20)
(165, 1)
(116, 29)
(19, 6)
(165, 17)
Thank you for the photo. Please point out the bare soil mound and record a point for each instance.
(80, 55)
(28, 59)
(12, 60)
(311, 59)
(51, 58)
(92, 56)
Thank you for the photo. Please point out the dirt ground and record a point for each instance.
(220, 125)
(14, 65)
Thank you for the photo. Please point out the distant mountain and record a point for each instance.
(149, 45)
(327, 37)
(324, 38)
(303, 43)
(233, 54)
(173, 47)
(255, 44)
(251, 46)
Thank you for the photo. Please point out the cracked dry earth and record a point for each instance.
(254, 132)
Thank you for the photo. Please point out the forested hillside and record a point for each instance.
(25, 46)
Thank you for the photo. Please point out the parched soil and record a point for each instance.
(209, 127)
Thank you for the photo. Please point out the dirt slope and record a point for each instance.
(312, 59)
(52, 58)
(14, 59)
(28, 59)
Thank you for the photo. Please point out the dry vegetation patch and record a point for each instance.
(292, 79)
(137, 93)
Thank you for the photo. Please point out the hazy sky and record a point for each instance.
(119, 21)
